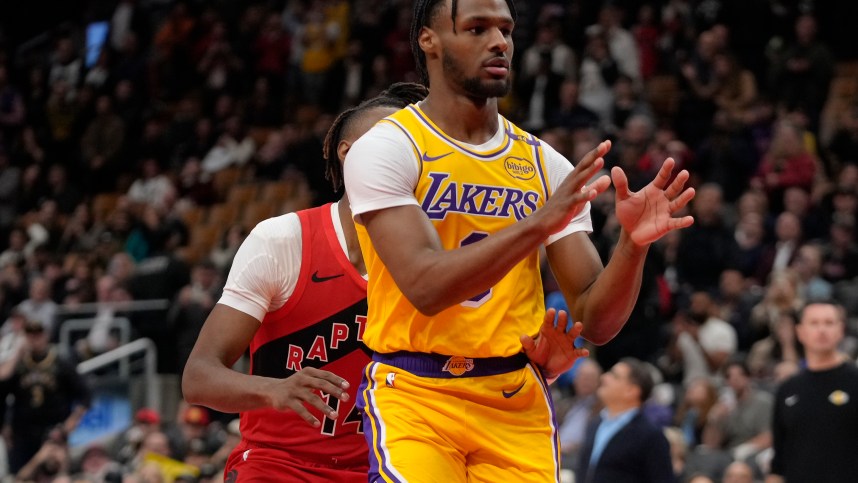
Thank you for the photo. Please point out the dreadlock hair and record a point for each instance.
(424, 12)
(396, 96)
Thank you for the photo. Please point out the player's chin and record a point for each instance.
(497, 87)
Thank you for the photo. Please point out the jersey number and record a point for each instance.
(484, 297)
(329, 426)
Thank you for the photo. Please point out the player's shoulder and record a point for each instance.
(282, 226)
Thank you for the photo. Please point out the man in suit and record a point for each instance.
(622, 445)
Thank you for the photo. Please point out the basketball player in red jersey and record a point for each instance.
(296, 296)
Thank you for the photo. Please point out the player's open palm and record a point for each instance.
(553, 349)
(647, 215)
(301, 390)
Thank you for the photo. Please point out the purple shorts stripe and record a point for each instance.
(555, 436)
(379, 466)
(448, 367)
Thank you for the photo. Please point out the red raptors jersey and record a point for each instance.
(321, 326)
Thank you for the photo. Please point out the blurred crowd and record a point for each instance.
(149, 116)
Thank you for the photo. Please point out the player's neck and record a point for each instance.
(352, 244)
(462, 118)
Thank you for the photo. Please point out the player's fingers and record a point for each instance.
(676, 186)
(328, 376)
(562, 320)
(682, 200)
(601, 184)
(575, 330)
(663, 175)
(549, 318)
(304, 414)
(621, 183)
(527, 343)
(581, 352)
(679, 223)
(314, 400)
(582, 174)
(600, 150)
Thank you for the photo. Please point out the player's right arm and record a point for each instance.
(429, 276)
(254, 286)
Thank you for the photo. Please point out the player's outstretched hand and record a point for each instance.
(553, 349)
(301, 389)
(572, 195)
(647, 215)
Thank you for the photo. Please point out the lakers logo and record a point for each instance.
(519, 168)
(458, 365)
(838, 398)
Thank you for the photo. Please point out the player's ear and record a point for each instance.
(343, 149)
(427, 39)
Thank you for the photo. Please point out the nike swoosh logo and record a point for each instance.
(429, 159)
(512, 393)
(316, 278)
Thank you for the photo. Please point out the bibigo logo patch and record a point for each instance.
(458, 365)
(519, 168)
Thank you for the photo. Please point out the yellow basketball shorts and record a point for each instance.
(431, 418)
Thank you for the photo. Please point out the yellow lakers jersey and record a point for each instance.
(468, 195)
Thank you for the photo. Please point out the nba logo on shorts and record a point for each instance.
(458, 365)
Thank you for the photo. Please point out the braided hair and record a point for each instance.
(424, 13)
(396, 96)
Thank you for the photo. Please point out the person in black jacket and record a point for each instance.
(622, 445)
(815, 415)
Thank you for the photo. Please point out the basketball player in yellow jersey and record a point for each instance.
(452, 204)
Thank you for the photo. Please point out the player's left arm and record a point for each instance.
(601, 297)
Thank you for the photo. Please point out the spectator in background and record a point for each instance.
(65, 64)
(802, 73)
(705, 342)
(696, 104)
(807, 265)
(234, 147)
(539, 93)
(814, 416)
(224, 252)
(785, 164)
(622, 445)
(706, 248)
(738, 472)
(39, 307)
(146, 420)
(840, 261)
(192, 306)
(781, 297)
(101, 146)
(778, 254)
(699, 398)
(647, 34)
(725, 157)
(95, 464)
(568, 113)
(598, 73)
(561, 57)
(49, 393)
(779, 346)
(51, 462)
(12, 107)
(585, 406)
(152, 188)
(736, 87)
(621, 43)
(743, 419)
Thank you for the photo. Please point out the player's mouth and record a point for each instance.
(497, 66)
